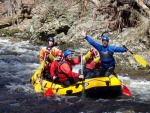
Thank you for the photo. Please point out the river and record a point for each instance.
(18, 61)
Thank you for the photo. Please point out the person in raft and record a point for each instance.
(92, 64)
(54, 65)
(47, 54)
(65, 74)
(50, 49)
(106, 53)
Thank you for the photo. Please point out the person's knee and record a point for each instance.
(97, 74)
(66, 84)
(75, 80)
(89, 75)
(108, 73)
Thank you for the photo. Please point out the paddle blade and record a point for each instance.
(140, 60)
(126, 91)
(48, 92)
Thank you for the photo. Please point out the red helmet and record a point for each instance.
(94, 52)
(59, 53)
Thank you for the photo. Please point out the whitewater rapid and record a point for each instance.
(19, 59)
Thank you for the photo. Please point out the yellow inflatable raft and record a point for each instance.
(94, 87)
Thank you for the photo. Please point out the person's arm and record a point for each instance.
(118, 49)
(87, 56)
(76, 61)
(96, 60)
(51, 57)
(92, 42)
(67, 70)
(42, 54)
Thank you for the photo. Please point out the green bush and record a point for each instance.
(9, 32)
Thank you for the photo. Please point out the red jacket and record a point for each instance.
(75, 61)
(65, 69)
(48, 65)
(53, 68)
(91, 65)
(98, 65)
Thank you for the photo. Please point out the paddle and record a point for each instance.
(49, 91)
(126, 91)
(138, 58)
(37, 87)
(83, 87)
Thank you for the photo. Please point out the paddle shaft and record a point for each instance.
(53, 81)
(83, 87)
(127, 49)
(81, 65)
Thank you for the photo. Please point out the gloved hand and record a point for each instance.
(81, 77)
(92, 52)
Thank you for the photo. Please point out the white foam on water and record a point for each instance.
(20, 88)
(76, 68)
(20, 65)
(138, 87)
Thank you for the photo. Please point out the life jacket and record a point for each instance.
(56, 67)
(48, 49)
(47, 67)
(61, 75)
(98, 65)
(106, 58)
(89, 64)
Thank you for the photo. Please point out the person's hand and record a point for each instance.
(81, 76)
(47, 52)
(128, 50)
(92, 52)
(54, 77)
(91, 49)
(83, 33)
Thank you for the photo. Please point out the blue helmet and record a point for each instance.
(67, 52)
(105, 38)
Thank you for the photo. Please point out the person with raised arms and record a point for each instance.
(92, 64)
(65, 74)
(106, 53)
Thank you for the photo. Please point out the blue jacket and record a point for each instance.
(106, 53)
